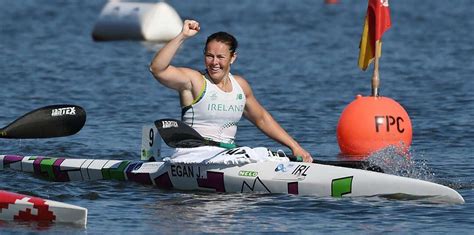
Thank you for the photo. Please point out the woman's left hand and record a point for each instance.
(299, 151)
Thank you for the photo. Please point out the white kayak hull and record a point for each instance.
(266, 177)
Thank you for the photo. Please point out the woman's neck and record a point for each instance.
(222, 83)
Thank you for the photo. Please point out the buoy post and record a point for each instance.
(375, 76)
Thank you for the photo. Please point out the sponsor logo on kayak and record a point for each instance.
(280, 168)
(256, 186)
(169, 124)
(284, 168)
(248, 173)
(63, 111)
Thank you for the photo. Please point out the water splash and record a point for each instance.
(397, 162)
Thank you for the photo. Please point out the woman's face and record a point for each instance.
(218, 59)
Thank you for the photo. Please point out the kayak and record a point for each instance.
(14, 206)
(263, 177)
(320, 178)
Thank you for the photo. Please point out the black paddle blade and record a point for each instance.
(178, 134)
(47, 122)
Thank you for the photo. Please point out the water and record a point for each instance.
(300, 58)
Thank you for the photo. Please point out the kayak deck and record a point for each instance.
(265, 177)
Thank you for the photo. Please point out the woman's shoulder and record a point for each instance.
(241, 80)
(243, 83)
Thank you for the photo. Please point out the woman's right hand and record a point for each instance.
(190, 28)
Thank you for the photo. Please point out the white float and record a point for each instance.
(137, 21)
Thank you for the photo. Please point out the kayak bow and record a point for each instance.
(14, 206)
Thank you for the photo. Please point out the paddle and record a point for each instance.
(178, 134)
(47, 122)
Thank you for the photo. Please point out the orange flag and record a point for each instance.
(377, 21)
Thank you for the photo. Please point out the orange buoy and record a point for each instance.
(369, 124)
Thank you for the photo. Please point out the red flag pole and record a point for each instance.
(375, 77)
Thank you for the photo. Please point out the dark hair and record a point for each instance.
(225, 38)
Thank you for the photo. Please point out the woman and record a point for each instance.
(214, 101)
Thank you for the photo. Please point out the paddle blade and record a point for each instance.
(47, 122)
(178, 134)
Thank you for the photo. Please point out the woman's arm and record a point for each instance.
(174, 77)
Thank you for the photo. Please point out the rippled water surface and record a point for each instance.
(300, 58)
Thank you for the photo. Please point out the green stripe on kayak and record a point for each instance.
(46, 166)
(341, 186)
(115, 173)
